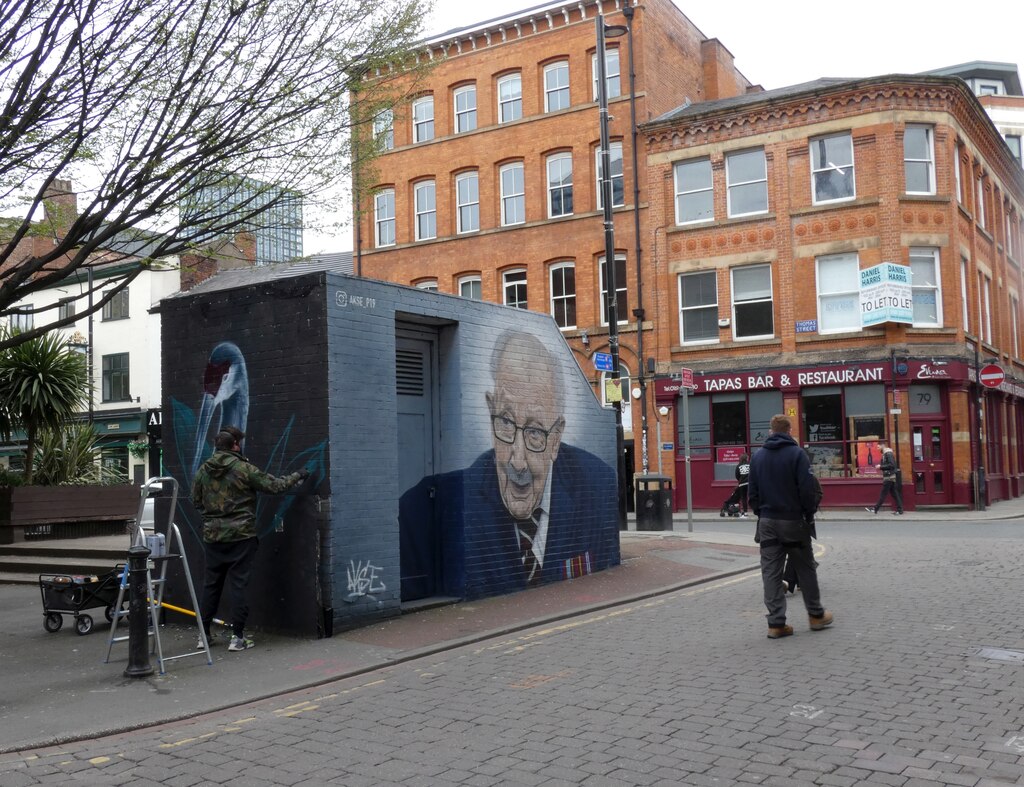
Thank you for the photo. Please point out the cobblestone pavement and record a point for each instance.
(919, 682)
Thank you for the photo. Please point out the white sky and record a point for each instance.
(807, 40)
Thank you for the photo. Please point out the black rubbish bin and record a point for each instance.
(653, 502)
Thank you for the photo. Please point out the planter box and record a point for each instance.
(64, 511)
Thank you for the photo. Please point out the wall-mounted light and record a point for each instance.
(584, 338)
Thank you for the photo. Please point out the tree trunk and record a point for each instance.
(30, 451)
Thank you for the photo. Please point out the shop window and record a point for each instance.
(925, 399)
(752, 310)
(838, 293)
(700, 425)
(698, 307)
(726, 425)
(842, 428)
(762, 406)
(116, 460)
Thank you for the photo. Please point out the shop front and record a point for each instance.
(922, 409)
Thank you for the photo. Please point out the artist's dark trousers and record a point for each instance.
(781, 538)
(890, 487)
(228, 564)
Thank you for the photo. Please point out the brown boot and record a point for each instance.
(778, 632)
(817, 624)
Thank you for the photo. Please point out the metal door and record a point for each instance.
(415, 362)
(930, 454)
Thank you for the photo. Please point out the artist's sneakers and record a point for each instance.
(240, 643)
(211, 640)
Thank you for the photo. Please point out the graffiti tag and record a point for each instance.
(344, 300)
(363, 580)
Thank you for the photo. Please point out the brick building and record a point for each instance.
(488, 183)
(767, 211)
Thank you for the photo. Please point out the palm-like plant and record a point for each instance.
(70, 456)
(43, 383)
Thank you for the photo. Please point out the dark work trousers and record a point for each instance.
(781, 538)
(739, 495)
(889, 486)
(228, 563)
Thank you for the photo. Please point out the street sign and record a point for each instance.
(686, 378)
(991, 375)
(603, 362)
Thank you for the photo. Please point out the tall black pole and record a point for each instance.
(979, 472)
(612, 295)
(89, 342)
(628, 11)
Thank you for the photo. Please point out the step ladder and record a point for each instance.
(164, 548)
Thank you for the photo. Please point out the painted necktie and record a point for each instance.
(527, 530)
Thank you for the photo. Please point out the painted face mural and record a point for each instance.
(526, 421)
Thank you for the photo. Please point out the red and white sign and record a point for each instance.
(991, 375)
(686, 378)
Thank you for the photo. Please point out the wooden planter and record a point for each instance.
(65, 511)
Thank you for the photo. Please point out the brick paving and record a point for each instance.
(682, 688)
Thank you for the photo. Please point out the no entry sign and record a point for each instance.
(991, 375)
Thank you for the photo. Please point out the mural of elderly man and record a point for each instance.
(533, 508)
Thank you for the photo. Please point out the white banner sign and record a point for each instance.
(885, 294)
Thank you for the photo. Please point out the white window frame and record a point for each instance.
(736, 301)
(979, 199)
(425, 207)
(730, 185)
(466, 113)
(852, 294)
(510, 108)
(612, 78)
(470, 206)
(430, 285)
(958, 176)
(22, 318)
(619, 176)
(423, 119)
(558, 161)
(383, 221)
(514, 198)
(964, 295)
(555, 70)
(827, 165)
(565, 298)
(930, 161)
(986, 310)
(1008, 240)
(384, 129)
(1014, 325)
(621, 290)
(469, 281)
(916, 286)
(513, 285)
(677, 170)
(709, 306)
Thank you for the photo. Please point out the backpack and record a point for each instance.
(818, 492)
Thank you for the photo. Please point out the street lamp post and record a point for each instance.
(638, 312)
(611, 297)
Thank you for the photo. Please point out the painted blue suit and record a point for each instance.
(481, 554)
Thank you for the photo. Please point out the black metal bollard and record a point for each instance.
(138, 614)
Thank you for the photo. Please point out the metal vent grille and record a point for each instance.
(409, 372)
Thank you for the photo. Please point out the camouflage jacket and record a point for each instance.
(225, 490)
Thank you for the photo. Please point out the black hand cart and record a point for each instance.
(69, 594)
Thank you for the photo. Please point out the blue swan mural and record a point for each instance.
(225, 401)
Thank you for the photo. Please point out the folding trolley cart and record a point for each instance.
(69, 594)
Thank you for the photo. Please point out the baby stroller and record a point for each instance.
(736, 504)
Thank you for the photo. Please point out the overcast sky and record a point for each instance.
(807, 40)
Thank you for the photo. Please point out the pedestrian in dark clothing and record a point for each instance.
(784, 496)
(224, 492)
(890, 481)
(790, 580)
(739, 494)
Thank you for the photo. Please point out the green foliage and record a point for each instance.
(71, 455)
(43, 384)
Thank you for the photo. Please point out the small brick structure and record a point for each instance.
(65, 511)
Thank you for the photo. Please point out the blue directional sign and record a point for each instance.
(603, 362)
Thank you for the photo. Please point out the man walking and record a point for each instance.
(782, 495)
(890, 481)
(224, 492)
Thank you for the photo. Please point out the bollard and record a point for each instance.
(138, 614)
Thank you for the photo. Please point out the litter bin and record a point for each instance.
(653, 502)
